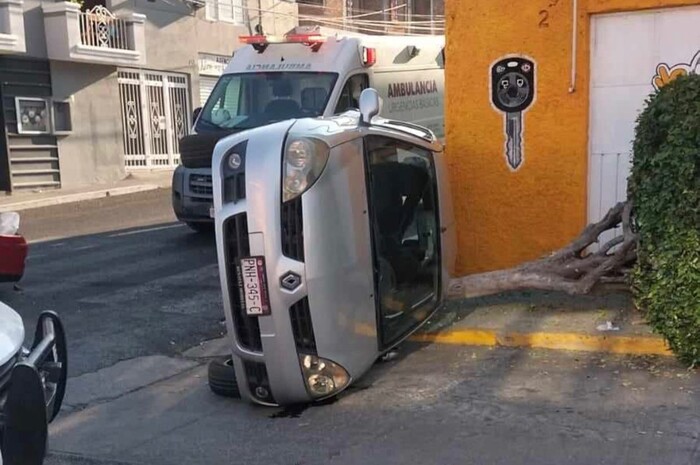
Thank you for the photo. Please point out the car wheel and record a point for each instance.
(54, 369)
(201, 227)
(222, 378)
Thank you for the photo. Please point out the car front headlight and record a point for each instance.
(304, 161)
(323, 378)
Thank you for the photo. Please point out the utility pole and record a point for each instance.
(347, 9)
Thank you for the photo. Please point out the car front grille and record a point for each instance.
(200, 184)
(293, 229)
(236, 247)
(258, 381)
(302, 327)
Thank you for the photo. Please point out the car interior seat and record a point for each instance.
(397, 190)
(282, 106)
(313, 100)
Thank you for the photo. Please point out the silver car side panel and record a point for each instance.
(339, 270)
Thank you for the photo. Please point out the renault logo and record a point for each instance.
(290, 281)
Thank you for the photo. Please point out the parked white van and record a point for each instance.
(307, 74)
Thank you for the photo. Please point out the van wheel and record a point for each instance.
(201, 227)
(222, 378)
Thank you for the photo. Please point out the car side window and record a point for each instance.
(350, 95)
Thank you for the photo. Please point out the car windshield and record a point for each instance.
(249, 100)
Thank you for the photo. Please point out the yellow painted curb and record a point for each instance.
(467, 337)
(633, 345)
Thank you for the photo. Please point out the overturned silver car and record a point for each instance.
(335, 242)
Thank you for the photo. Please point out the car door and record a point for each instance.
(403, 207)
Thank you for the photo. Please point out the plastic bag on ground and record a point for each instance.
(9, 223)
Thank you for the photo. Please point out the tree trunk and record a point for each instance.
(573, 269)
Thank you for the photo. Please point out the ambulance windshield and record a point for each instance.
(249, 100)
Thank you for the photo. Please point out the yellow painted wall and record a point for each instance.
(505, 217)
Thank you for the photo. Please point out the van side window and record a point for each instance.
(350, 95)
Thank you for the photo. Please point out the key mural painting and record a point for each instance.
(512, 86)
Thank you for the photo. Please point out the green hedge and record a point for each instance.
(665, 188)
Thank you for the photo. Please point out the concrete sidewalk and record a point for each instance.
(605, 321)
(133, 183)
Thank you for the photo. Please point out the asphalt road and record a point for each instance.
(125, 277)
(138, 293)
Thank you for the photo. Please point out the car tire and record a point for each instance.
(201, 227)
(222, 378)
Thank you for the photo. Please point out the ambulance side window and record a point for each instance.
(350, 94)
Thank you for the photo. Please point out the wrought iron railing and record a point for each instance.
(100, 28)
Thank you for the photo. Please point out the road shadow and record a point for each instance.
(124, 293)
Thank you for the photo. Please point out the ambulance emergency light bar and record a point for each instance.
(260, 42)
(313, 40)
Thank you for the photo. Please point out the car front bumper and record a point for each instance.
(192, 194)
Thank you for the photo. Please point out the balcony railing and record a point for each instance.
(94, 36)
(100, 28)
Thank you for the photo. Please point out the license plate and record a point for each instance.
(253, 284)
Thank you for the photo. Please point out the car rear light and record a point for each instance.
(13, 250)
(369, 56)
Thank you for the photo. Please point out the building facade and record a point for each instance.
(93, 90)
(540, 113)
(375, 16)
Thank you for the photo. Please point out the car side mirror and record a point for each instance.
(370, 105)
(195, 114)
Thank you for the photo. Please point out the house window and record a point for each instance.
(229, 11)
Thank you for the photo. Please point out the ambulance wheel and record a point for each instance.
(222, 378)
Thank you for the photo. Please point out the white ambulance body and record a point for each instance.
(407, 71)
(308, 73)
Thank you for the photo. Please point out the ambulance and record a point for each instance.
(309, 72)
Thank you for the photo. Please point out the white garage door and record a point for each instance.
(627, 52)
(206, 85)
